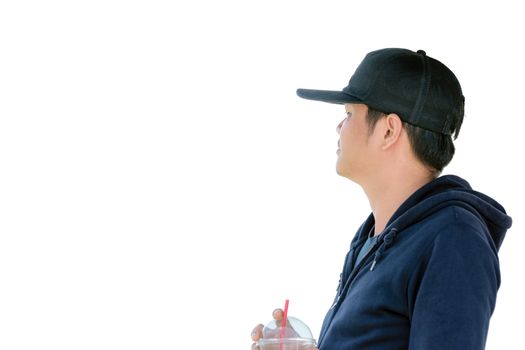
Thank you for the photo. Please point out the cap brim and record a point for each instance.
(337, 97)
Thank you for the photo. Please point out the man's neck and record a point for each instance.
(391, 192)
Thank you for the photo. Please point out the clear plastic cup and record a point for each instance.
(295, 336)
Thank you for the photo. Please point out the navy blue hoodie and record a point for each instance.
(430, 280)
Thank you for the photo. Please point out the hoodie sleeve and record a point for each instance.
(454, 292)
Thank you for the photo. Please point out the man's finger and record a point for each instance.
(277, 315)
(257, 332)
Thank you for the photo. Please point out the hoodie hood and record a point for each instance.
(448, 190)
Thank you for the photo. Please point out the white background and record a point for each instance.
(162, 187)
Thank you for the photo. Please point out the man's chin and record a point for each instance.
(343, 171)
(339, 169)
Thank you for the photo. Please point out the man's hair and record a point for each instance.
(433, 149)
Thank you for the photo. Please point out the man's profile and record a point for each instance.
(422, 271)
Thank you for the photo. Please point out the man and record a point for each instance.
(422, 271)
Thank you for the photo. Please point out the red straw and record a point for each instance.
(285, 313)
(283, 324)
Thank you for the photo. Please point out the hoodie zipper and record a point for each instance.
(343, 288)
(387, 238)
(355, 271)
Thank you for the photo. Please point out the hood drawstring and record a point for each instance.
(387, 241)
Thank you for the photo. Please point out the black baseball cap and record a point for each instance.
(418, 88)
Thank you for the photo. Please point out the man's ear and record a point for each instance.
(393, 127)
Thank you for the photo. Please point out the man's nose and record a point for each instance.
(338, 129)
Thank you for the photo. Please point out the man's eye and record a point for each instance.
(348, 114)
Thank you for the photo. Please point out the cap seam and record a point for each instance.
(423, 90)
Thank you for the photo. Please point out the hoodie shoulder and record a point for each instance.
(453, 191)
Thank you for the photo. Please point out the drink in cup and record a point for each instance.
(290, 334)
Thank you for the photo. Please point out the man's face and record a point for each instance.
(355, 157)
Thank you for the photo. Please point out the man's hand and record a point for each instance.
(277, 314)
(257, 332)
